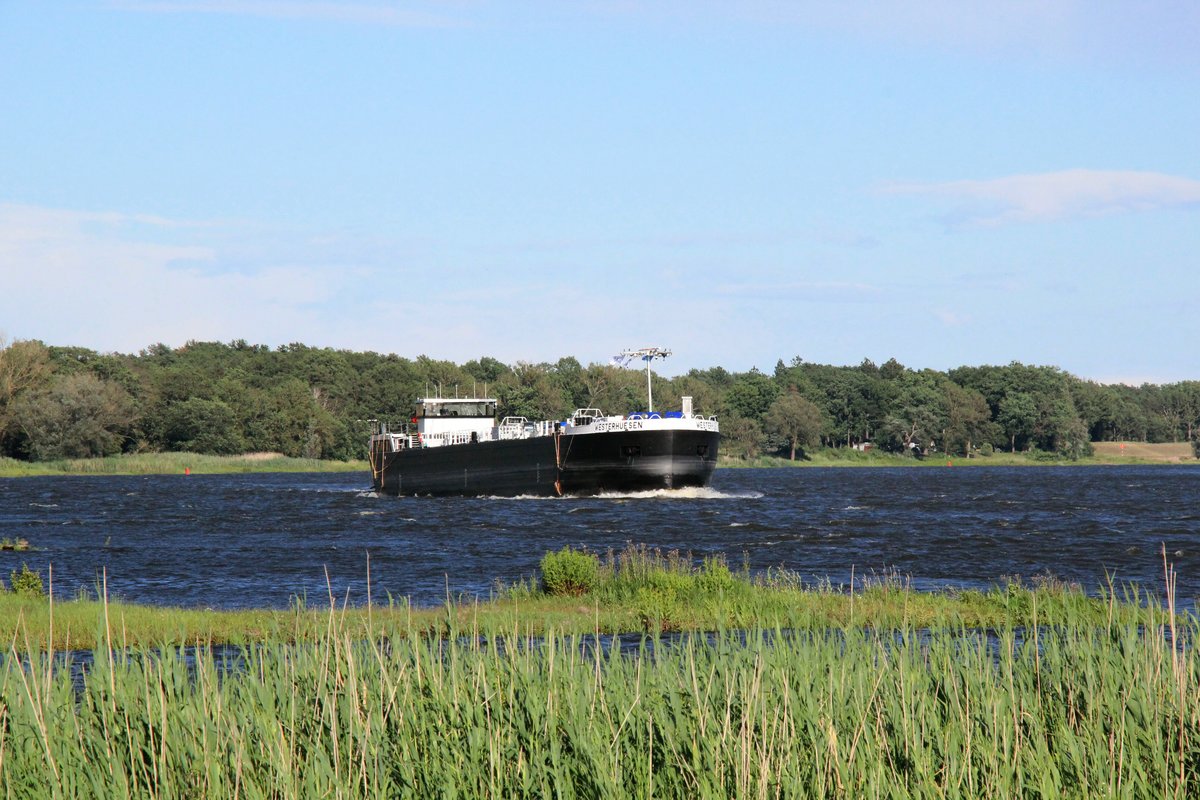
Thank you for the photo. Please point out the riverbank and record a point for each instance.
(174, 464)
(1105, 454)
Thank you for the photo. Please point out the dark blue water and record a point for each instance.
(235, 541)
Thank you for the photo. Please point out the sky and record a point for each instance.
(942, 182)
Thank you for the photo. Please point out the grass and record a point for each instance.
(1107, 454)
(1098, 703)
(174, 464)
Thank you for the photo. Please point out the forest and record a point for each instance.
(210, 397)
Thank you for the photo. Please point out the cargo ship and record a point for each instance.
(458, 447)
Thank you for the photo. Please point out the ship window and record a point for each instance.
(478, 409)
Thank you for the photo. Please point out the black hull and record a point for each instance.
(583, 464)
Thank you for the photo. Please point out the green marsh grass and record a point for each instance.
(175, 464)
(778, 690)
(637, 589)
(1108, 709)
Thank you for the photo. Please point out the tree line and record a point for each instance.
(211, 397)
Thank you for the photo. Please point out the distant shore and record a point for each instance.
(1106, 454)
(175, 464)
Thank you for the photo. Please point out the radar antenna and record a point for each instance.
(647, 354)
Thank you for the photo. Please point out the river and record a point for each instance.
(262, 540)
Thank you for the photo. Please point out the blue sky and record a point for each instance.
(945, 183)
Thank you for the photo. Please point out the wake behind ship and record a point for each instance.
(455, 446)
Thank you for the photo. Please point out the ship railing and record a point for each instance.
(510, 428)
(513, 428)
(393, 442)
(585, 416)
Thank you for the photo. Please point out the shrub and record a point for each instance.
(569, 572)
(670, 583)
(715, 577)
(656, 607)
(26, 583)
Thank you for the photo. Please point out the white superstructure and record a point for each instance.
(442, 421)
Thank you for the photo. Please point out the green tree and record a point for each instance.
(24, 367)
(197, 425)
(389, 389)
(611, 389)
(486, 370)
(968, 418)
(288, 418)
(918, 416)
(79, 416)
(796, 420)
(751, 394)
(530, 391)
(1017, 418)
(567, 376)
(706, 398)
(444, 378)
(892, 370)
(1072, 439)
(1180, 403)
(741, 437)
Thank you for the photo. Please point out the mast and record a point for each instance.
(647, 354)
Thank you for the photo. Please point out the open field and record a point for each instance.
(1106, 454)
(1143, 452)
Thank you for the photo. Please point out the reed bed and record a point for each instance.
(1079, 710)
(174, 464)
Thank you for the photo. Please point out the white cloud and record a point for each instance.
(1055, 196)
(952, 319)
(121, 282)
(1097, 31)
(808, 290)
(370, 13)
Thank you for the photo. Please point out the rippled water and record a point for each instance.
(261, 540)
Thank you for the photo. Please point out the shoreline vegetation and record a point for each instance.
(175, 464)
(1031, 688)
(319, 403)
(637, 591)
(1106, 454)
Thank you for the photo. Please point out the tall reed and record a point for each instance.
(1078, 709)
